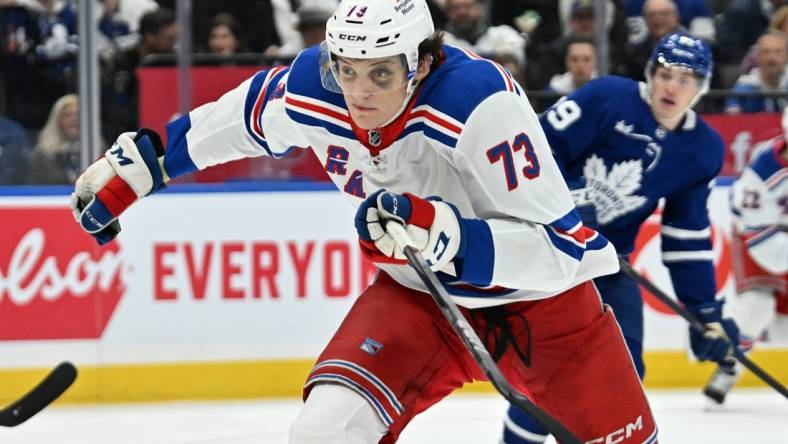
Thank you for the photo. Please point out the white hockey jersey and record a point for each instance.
(468, 135)
(759, 202)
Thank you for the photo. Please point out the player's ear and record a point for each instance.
(424, 67)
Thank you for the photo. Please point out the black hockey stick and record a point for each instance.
(471, 339)
(47, 391)
(699, 326)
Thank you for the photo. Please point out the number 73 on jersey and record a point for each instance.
(504, 152)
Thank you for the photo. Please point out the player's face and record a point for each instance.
(374, 89)
(672, 91)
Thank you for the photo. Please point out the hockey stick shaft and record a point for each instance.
(699, 326)
(471, 339)
(46, 392)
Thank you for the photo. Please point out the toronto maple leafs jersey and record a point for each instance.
(759, 202)
(468, 135)
(605, 132)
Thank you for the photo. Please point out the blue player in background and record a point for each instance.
(624, 145)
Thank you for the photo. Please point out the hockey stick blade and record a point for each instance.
(699, 326)
(471, 340)
(46, 392)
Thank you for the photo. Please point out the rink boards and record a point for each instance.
(229, 292)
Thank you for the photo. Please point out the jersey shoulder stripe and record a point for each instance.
(261, 89)
(505, 74)
(777, 179)
(459, 84)
(313, 112)
(753, 239)
(768, 165)
(433, 124)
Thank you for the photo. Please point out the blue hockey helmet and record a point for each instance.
(684, 52)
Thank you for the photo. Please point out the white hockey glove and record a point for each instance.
(435, 227)
(130, 169)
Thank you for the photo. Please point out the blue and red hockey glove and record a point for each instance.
(435, 227)
(129, 170)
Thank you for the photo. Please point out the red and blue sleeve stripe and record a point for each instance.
(263, 85)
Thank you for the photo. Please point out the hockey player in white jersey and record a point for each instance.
(632, 144)
(445, 143)
(759, 203)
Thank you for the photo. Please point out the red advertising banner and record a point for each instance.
(55, 283)
(159, 104)
(159, 92)
(741, 133)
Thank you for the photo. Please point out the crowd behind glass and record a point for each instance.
(546, 44)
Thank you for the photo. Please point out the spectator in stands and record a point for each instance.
(693, 15)
(56, 157)
(769, 75)
(38, 57)
(438, 13)
(310, 24)
(742, 22)
(550, 60)
(466, 28)
(536, 18)
(14, 148)
(115, 32)
(224, 37)
(580, 62)
(566, 9)
(662, 18)
(254, 17)
(780, 20)
(131, 11)
(779, 23)
(120, 103)
(58, 32)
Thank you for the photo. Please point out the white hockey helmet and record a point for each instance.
(368, 29)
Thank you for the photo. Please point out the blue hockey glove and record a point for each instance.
(129, 170)
(713, 345)
(435, 227)
(584, 201)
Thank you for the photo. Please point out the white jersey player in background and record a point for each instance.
(759, 203)
(445, 143)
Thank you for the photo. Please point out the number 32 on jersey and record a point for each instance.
(504, 152)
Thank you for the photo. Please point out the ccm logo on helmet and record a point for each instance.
(352, 38)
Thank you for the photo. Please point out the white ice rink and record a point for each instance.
(750, 416)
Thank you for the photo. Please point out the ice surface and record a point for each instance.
(683, 417)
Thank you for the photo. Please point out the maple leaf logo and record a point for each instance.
(614, 191)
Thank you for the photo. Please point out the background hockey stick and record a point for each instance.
(471, 339)
(48, 390)
(699, 326)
